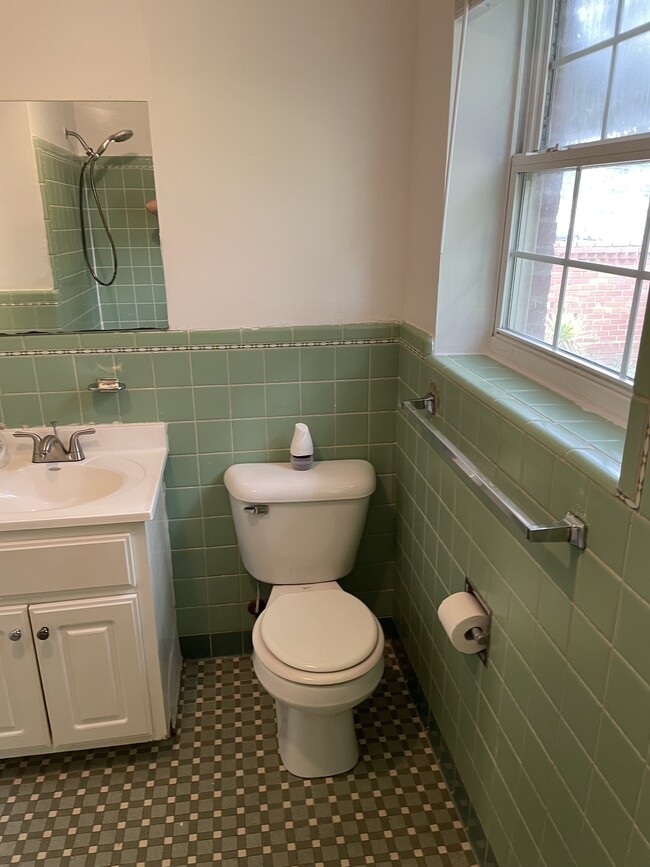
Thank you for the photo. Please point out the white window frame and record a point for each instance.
(590, 386)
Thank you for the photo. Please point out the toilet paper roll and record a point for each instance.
(459, 613)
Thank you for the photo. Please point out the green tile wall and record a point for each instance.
(137, 297)
(29, 311)
(224, 405)
(551, 739)
(77, 299)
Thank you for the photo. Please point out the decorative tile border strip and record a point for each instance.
(198, 347)
(413, 350)
(29, 304)
(416, 340)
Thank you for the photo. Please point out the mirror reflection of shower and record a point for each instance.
(89, 166)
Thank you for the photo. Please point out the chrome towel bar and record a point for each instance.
(570, 529)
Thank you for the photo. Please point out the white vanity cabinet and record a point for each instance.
(89, 654)
(23, 722)
(88, 657)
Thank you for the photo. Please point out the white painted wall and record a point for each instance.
(48, 120)
(432, 82)
(24, 259)
(281, 135)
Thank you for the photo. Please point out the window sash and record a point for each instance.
(609, 152)
(613, 42)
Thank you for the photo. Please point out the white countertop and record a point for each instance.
(118, 481)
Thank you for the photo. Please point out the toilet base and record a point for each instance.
(314, 745)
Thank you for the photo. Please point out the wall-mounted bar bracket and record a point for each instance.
(430, 402)
(570, 529)
(482, 638)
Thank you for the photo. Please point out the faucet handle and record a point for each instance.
(74, 448)
(37, 453)
(29, 434)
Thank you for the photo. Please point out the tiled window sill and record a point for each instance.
(593, 445)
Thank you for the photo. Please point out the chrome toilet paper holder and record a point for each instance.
(479, 635)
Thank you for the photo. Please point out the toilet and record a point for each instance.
(317, 650)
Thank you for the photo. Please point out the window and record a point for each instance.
(577, 266)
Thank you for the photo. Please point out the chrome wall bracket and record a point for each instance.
(481, 637)
(430, 402)
(571, 529)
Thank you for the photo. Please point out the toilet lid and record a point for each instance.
(323, 630)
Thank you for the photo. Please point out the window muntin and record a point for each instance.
(578, 285)
(599, 72)
(578, 267)
(584, 24)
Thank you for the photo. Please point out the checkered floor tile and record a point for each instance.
(217, 793)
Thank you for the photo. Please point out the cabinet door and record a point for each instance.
(92, 668)
(23, 722)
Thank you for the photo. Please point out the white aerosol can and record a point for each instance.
(302, 448)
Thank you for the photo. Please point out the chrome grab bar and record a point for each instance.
(570, 529)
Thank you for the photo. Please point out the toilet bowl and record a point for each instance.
(317, 650)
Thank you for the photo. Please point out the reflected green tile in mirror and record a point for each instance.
(55, 277)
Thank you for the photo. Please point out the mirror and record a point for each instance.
(69, 165)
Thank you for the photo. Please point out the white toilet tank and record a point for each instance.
(310, 530)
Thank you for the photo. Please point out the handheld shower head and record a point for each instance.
(120, 136)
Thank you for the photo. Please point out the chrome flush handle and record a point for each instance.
(258, 509)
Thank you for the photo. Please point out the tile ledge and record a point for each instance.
(482, 380)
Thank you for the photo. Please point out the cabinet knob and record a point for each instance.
(15, 635)
(43, 633)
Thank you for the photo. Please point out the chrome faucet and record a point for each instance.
(49, 449)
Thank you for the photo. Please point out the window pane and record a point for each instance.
(584, 23)
(595, 316)
(546, 210)
(533, 308)
(636, 337)
(611, 214)
(635, 12)
(629, 109)
(578, 100)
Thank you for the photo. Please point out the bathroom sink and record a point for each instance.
(54, 486)
(118, 480)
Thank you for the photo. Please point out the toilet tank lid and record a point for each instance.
(280, 483)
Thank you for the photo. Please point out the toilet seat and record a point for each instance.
(297, 673)
(326, 631)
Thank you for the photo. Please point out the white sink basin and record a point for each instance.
(118, 480)
(55, 486)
